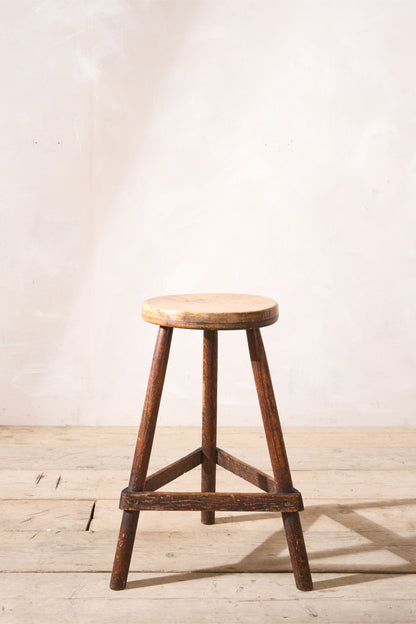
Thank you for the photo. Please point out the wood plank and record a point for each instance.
(125, 437)
(218, 501)
(101, 484)
(118, 458)
(359, 517)
(45, 515)
(40, 458)
(269, 598)
(206, 549)
(333, 587)
(339, 458)
(320, 515)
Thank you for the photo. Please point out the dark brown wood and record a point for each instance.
(142, 456)
(280, 464)
(209, 418)
(279, 495)
(173, 471)
(151, 409)
(245, 471)
(219, 501)
(297, 551)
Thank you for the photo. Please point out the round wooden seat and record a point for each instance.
(211, 311)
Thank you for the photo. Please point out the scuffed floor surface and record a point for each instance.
(59, 524)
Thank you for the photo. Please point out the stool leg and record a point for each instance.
(280, 464)
(141, 456)
(209, 418)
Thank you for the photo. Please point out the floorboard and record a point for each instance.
(59, 491)
(231, 598)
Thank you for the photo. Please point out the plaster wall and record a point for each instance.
(157, 147)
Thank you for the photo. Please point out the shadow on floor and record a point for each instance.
(378, 537)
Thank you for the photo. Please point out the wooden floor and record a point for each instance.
(59, 523)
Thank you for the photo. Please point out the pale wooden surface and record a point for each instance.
(207, 599)
(358, 487)
(211, 311)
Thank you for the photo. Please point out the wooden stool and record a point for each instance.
(211, 313)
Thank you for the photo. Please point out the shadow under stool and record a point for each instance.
(211, 313)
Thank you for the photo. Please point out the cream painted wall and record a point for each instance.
(154, 147)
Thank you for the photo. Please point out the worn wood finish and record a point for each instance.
(321, 515)
(42, 515)
(168, 447)
(221, 501)
(245, 471)
(393, 442)
(211, 311)
(173, 471)
(141, 456)
(209, 418)
(361, 541)
(233, 543)
(278, 457)
(194, 597)
(90, 484)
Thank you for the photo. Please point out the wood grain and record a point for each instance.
(204, 548)
(278, 457)
(221, 501)
(49, 458)
(173, 471)
(359, 525)
(141, 456)
(106, 484)
(209, 418)
(211, 311)
(245, 471)
(362, 439)
(41, 515)
(79, 597)
(321, 515)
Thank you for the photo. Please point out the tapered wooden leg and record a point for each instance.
(142, 456)
(280, 464)
(209, 418)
